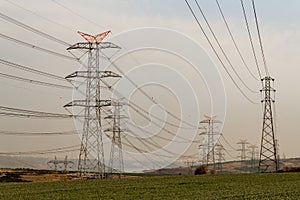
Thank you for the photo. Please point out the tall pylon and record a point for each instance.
(210, 127)
(116, 163)
(91, 157)
(268, 151)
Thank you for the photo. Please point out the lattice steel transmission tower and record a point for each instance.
(243, 150)
(91, 156)
(219, 148)
(253, 154)
(210, 126)
(60, 164)
(116, 163)
(268, 152)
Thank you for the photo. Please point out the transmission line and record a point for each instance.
(154, 143)
(35, 81)
(32, 112)
(37, 47)
(32, 115)
(145, 94)
(221, 48)
(139, 108)
(40, 16)
(234, 42)
(217, 55)
(158, 136)
(20, 24)
(260, 39)
(48, 151)
(75, 13)
(250, 37)
(22, 133)
(29, 69)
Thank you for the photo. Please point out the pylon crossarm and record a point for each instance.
(91, 46)
(83, 103)
(98, 74)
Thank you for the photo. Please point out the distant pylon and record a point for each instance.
(253, 154)
(54, 163)
(219, 148)
(60, 164)
(268, 152)
(243, 150)
(210, 127)
(190, 165)
(116, 163)
(91, 156)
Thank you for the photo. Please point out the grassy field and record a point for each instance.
(237, 186)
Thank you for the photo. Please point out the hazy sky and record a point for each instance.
(279, 23)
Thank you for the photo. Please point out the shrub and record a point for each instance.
(202, 169)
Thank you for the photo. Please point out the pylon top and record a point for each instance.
(210, 117)
(94, 39)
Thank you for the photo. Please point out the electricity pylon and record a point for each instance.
(210, 132)
(61, 164)
(219, 148)
(253, 154)
(190, 165)
(268, 152)
(91, 156)
(116, 163)
(243, 150)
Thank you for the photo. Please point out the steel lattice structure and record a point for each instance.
(219, 148)
(91, 156)
(253, 154)
(116, 163)
(210, 132)
(268, 152)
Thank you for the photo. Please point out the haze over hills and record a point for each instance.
(18, 162)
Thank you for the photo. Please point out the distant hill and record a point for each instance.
(14, 162)
(21, 162)
(227, 167)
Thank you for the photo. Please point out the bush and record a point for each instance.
(202, 169)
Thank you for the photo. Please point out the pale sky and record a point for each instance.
(279, 23)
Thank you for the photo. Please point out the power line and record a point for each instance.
(154, 143)
(22, 133)
(32, 112)
(145, 94)
(40, 16)
(158, 136)
(228, 143)
(32, 115)
(38, 32)
(234, 42)
(75, 13)
(250, 38)
(48, 151)
(222, 50)
(217, 55)
(260, 39)
(138, 108)
(29, 69)
(37, 47)
(35, 81)
(20, 24)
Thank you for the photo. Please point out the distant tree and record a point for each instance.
(202, 169)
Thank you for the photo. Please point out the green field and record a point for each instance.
(236, 186)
